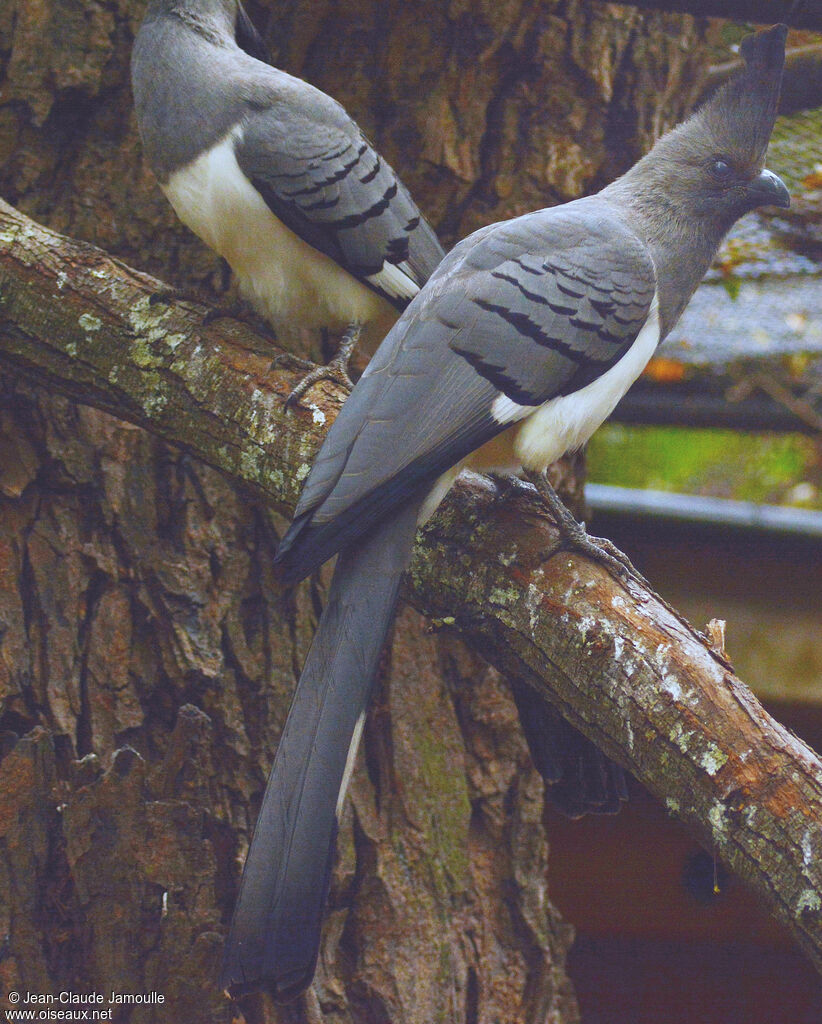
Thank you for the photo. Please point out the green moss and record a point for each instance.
(504, 596)
(254, 466)
(155, 403)
(251, 463)
(143, 355)
(773, 468)
(808, 900)
(716, 816)
(146, 320)
(155, 394)
(443, 807)
(713, 759)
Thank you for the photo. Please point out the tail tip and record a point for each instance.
(283, 986)
(281, 989)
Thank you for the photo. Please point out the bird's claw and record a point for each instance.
(335, 370)
(604, 551)
(331, 371)
(163, 293)
(505, 484)
(170, 293)
(232, 311)
(574, 537)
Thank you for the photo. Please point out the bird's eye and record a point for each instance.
(721, 169)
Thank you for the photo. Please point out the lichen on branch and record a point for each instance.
(623, 667)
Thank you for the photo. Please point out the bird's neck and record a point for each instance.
(212, 21)
(682, 245)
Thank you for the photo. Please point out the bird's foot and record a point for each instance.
(288, 361)
(168, 293)
(164, 293)
(233, 310)
(575, 537)
(336, 369)
(505, 485)
(236, 310)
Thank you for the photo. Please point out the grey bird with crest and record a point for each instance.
(520, 345)
(274, 175)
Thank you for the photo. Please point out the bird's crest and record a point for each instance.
(740, 115)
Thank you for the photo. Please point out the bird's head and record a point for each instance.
(710, 170)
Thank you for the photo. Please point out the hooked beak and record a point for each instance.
(768, 189)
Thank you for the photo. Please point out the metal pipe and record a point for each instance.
(718, 512)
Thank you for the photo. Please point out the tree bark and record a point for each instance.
(622, 667)
(487, 109)
(147, 656)
(136, 582)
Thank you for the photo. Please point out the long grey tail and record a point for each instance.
(275, 932)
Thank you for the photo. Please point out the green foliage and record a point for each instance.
(775, 468)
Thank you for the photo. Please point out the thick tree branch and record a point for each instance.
(795, 13)
(622, 667)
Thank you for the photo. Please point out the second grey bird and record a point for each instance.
(274, 175)
(520, 345)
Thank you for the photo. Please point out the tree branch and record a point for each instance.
(794, 13)
(622, 666)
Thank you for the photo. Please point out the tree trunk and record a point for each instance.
(147, 655)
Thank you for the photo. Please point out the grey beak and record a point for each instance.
(769, 190)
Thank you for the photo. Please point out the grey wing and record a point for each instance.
(531, 309)
(319, 174)
(539, 325)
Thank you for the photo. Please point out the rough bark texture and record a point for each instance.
(146, 655)
(624, 668)
(486, 109)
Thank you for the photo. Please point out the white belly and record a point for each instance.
(538, 437)
(290, 283)
(565, 424)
